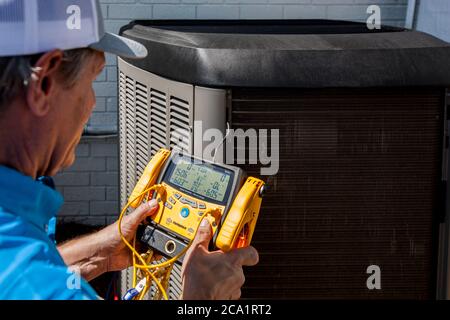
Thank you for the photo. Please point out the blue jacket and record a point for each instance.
(30, 264)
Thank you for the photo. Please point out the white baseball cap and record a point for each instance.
(35, 26)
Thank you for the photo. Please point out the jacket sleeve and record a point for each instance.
(44, 281)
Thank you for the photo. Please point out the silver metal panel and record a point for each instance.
(210, 111)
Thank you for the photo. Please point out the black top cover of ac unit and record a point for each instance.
(289, 53)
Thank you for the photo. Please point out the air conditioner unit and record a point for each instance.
(362, 130)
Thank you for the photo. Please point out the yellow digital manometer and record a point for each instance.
(187, 188)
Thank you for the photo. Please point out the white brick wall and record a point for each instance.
(91, 185)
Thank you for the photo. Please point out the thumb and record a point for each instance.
(204, 233)
(143, 211)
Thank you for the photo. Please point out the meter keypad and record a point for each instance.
(177, 195)
(172, 200)
(168, 205)
(201, 206)
(190, 202)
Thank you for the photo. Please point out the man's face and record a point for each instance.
(73, 108)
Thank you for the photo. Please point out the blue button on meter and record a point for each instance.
(184, 212)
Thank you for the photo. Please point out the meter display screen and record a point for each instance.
(201, 179)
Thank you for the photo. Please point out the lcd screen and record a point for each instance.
(201, 179)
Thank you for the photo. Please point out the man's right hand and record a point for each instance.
(215, 275)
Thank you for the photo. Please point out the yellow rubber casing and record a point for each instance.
(244, 211)
(149, 176)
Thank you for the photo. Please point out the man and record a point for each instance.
(50, 53)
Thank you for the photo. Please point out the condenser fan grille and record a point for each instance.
(358, 185)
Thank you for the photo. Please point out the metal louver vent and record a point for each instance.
(179, 132)
(127, 115)
(122, 132)
(142, 136)
(359, 179)
(130, 130)
(175, 285)
(180, 127)
(178, 119)
(158, 122)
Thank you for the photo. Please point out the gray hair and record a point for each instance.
(16, 72)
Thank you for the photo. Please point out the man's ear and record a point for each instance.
(42, 83)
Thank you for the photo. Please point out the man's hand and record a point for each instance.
(214, 275)
(118, 254)
(104, 250)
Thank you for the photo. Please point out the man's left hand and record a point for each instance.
(104, 250)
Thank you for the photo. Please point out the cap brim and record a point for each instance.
(120, 46)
